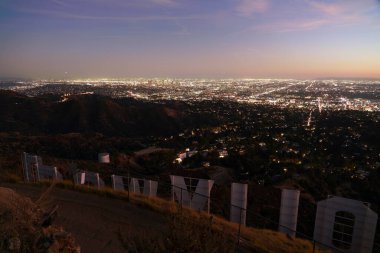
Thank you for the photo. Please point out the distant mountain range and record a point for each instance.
(93, 113)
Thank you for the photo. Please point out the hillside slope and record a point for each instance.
(100, 224)
(52, 114)
(94, 221)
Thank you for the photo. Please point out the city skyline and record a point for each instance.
(197, 39)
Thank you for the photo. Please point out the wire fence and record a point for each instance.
(243, 212)
(185, 197)
(263, 221)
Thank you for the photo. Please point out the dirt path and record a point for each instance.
(95, 221)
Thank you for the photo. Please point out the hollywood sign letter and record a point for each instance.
(88, 177)
(238, 210)
(49, 172)
(34, 169)
(183, 193)
(346, 224)
(143, 186)
(136, 185)
(289, 211)
(117, 183)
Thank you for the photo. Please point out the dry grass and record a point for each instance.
(22, 227)
(10, 177)
(252, 239)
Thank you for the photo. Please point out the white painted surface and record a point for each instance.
(364, 226)
(117, 183)
(143, 186)
(134, 185)
(34, 170)
(49, 172)
(289, 211)
(150, 188)
(88, 177)
(199, 199)
(179, 190)
(239, 193)
(201, 196)
(104, 158)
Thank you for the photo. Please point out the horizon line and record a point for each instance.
(184, 78)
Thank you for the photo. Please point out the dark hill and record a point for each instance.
(93, 113)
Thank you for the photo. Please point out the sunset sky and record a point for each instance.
(189, 38)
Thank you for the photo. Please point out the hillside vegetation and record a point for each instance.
(51, 114)
(26, 227)
(181, 229)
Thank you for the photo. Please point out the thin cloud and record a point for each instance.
(343, 7)
(327, 8)
(247, 7)
(290, 26)
(321, 14)
(302, 25)
(346, 12)
(61, 14)
(306, 24)
(165, 2)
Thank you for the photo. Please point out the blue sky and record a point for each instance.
(192, 38)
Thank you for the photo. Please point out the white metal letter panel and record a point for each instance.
(135, 186)
(201, 196)
(117, 183)
(150, 188)
(239, 193)
(179, 190)
(289, 211)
